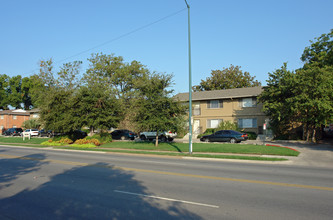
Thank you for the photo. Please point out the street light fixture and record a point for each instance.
(190, 80)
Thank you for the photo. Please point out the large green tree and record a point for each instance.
(55, 95)
(320, 52)
(313, 98)
(155, 109)
(277, 99)
(125, 79)
(4, 81)
(112, 70)
(96, 106)
(304, 96)
(227, 78)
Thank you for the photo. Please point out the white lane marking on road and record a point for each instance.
(168, 199)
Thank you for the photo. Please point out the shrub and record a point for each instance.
(81, 141)
(251, 135)
(95, 142)
(66, 141)
(88, 141)
(227, 125)
(102, 138)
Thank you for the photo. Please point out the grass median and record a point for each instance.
(207, 150)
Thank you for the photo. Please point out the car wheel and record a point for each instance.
(233, 140)
(122, 138)
(142, 137)
(206, 140)
(170, 139)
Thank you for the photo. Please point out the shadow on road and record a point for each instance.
(83, 192)
(11, 169)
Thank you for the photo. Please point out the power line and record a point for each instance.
(119, 37)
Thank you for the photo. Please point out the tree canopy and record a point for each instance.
(227, 78)
(303, 97)
(155, 109)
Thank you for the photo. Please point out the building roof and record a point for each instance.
(221, 94)
(14, 112)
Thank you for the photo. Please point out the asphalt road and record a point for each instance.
(55, 184)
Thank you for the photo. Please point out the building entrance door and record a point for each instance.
(196, 127)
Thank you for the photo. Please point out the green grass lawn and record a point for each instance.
(19, 140)
(174, 149)
(205, 148)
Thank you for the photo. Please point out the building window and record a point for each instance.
(1, 117)
(247, 123)
(14, 116)
(215, 104)
(248, 102)
(35, 115)
(1, 127)
(196, 109)
(213, 123)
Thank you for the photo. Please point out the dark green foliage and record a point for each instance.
(31, 123)
(277, 99)
(96, 107)
(102, 137)
(207, 132)
(4, 80)
(251, 135)
(305, 97)
(227, 78)
(155, 110)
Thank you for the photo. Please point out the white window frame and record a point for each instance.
(248, 102)
(209, 123)
(14, 117)
(247, 123)
(214, 104)
(1, 117)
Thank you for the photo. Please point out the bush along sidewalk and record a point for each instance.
(87, 142)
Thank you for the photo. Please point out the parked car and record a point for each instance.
(76, 134)
(32, 132)
(163, 136)
(225, 135)
(45, 133)
(123, 134)
(13, 132)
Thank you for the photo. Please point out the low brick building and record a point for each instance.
(13, 118)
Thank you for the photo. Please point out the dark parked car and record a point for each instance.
(123, 135)
(13, 132)
(45, 133)
(225, 135)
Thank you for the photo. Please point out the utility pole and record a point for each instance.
(190, 80)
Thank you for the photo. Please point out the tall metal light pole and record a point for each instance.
(190, 79)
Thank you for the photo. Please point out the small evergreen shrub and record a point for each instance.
(251, 135)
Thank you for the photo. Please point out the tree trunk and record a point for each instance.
(156, 139)
(314, 135)
(91, 133)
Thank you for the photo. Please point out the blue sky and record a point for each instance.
(257, 35)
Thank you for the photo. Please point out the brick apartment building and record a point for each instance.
(15, 118)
